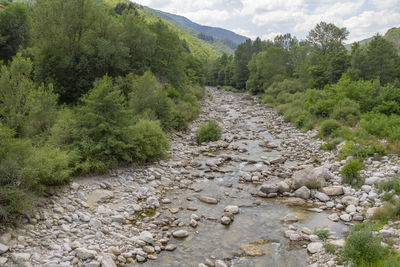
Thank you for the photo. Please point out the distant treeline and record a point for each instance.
(351, 96)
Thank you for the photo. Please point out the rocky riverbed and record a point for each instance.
(254, 198)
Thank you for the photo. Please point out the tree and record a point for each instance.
(267, 67)
(327, 36)
(14, 29)
(381, 61)
(243, 55)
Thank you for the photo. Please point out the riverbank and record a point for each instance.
(279, 185)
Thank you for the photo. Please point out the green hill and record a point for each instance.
(202, 45)
(392, 35)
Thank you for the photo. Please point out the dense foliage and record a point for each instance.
(351, 96)
(86, 86)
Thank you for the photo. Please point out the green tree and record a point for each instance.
(14, 29)
(267, 67)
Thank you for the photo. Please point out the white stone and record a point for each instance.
(180, 234)
(315, 247)
(345, 217)
(232, 209)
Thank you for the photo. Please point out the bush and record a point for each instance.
(388, 212)
(208, 131)
(347, 112)
(148, 141)
(328, 127)
(392, 184)
(363, 248)
(330, 248)
(25, 171)
(323, 234)
(350, 171)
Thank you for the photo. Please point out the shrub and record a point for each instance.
(388, 212)
(323, 234)
(363, 248)
(330, 248)
(350, 171)
(25, 171)
(208, 131)
(148, 141)
(328, 127)
(392, 184)
(346, 111)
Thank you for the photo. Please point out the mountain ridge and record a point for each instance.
(213, 31)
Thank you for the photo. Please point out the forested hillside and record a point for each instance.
(316, 83)
(86, 85)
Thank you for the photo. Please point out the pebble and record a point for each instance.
(180, 234)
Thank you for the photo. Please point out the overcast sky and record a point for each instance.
(267, 18)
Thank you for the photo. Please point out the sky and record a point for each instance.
(268, 18)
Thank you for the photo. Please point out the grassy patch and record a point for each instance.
(208, 131)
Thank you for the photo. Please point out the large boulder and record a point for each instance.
(311, 177)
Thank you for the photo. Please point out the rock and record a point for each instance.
(84, 254)
(370, 212)
(75, 186)
(338, 243)
(290, 218)
(220, 263)
(118, 218)
(3, 261)
(387, 233)
(351, 208)
(306, 230)
(311, 177)
(372, 195)
(269, 188)
(170, 247)
(333, 190)
(193, 223)
(283, 187)
(294, 201)
(180, 234)
(345, 217)
(225, 220)
(303, 192)
(208, 200)
(232, 209)
(153, 201)
(5, 238)
(350, 200)
(98, 196)
(147, 237)
(333, 217)
(20, 258)
(321, 196)
(107, 261)
(371, 180)
(3, 248)
(315, 247)
(252, 250)
(149, 249)
(330, 204)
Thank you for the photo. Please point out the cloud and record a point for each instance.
(363, 18)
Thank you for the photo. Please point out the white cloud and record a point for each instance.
(363, 18)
